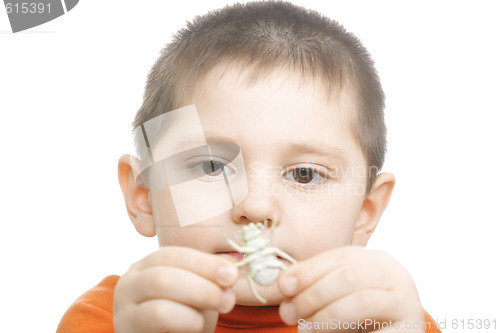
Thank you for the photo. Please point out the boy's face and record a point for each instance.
(303, 166)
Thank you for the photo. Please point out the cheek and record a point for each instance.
(323, 236)
(193, 238)
(164, 212)
(167, 224)
(325, 224)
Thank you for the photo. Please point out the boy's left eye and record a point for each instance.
(307, 175)
(303, 175)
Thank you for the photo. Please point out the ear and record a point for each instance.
(136, 198)
(373, 207)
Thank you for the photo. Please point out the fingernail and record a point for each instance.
(288, 285)
(228, 300)
(227, 274)
(288, 313)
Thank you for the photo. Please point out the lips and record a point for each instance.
(238, 256)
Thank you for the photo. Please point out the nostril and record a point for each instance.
(243, 220)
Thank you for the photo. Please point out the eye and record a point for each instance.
(303, 175)
(307, 175)
(211, 169)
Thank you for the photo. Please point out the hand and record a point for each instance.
(344, 285)
(174, 289)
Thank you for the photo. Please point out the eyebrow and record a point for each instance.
(190, 142)
(320, 148)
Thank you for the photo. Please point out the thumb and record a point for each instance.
(210, 318)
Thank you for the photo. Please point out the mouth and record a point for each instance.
(236, 255)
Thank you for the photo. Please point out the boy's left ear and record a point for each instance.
(373, 207)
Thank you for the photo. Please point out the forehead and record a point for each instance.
(238, 75)
(280, 104)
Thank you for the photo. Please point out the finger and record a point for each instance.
(209, 266)
(181, 286)
(300, 276)
(333, 286)
(166, 316)
(363, 310)
(210, 318)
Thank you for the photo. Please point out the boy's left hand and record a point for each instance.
(347, 286)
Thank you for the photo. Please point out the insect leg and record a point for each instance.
(254, 291)
(284, 255)
(238, 248)
(244, 261)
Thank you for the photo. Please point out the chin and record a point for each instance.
(245, 296)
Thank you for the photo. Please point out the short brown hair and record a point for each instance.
(264, 36)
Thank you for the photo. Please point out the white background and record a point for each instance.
(69, 90)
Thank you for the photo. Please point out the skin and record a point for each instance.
(324, 223)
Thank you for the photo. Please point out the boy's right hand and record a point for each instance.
(175, 289)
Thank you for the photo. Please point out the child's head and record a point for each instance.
(300, 98)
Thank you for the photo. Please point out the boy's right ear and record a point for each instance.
(136, 197)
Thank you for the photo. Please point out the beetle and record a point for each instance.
(264, 267)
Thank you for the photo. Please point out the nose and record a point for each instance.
(262, 200)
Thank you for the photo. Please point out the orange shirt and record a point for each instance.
(93, 312)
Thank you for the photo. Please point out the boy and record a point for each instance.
(258, 112)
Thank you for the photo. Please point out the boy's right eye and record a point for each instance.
(211, 170)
